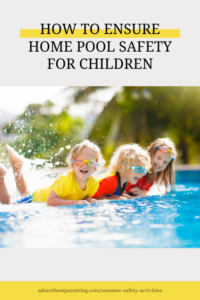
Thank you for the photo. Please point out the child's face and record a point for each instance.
(84, 172)
(132, 176)
(160, 160)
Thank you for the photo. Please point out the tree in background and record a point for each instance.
(143, 114)
(133, 115)
(185, 123)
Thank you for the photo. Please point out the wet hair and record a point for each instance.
(76, 151)
(129, 155)
(165, 176)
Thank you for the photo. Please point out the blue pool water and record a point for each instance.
(149, 222)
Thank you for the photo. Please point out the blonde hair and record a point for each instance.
(167, 175)
(75, 152)
(129, 155)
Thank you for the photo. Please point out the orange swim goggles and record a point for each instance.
(81, 162)
(165, 149)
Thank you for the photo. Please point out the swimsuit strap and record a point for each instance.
(121, 189)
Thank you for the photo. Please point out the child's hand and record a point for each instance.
(126, 196)
(91, 200)
(138, 192)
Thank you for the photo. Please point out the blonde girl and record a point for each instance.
(163, 154)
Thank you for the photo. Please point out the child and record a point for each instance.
(128, 163)
(163, 154)
(68, 189)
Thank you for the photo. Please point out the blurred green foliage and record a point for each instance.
(133, 115)
(143, 114)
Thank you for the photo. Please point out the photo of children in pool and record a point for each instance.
(103, 167)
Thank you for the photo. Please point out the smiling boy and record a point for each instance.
(128, 164)
(78, 183)
(68, 189)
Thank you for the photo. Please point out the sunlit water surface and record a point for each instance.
(154, 221)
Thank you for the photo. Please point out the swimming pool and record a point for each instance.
(149, 222)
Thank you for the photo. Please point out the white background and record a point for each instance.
(180, 67)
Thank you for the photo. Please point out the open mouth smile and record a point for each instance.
(84, 171)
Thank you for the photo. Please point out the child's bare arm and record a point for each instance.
(54, 200)
(91, 200)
